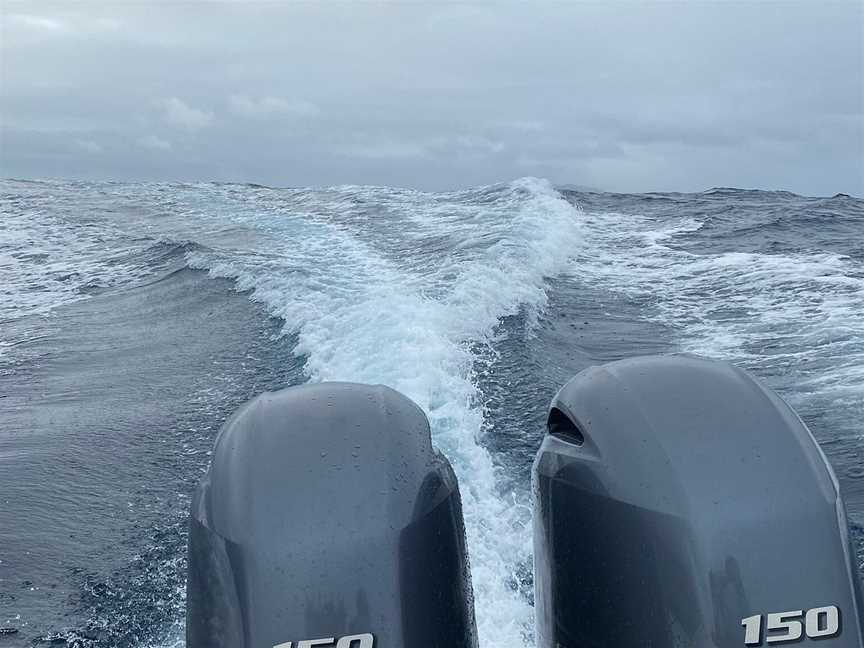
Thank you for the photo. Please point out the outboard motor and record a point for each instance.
(328, 519)
(681, 504)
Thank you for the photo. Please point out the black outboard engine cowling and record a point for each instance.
(681, 504)
(328, 519)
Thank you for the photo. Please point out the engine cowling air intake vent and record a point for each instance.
(560, 425)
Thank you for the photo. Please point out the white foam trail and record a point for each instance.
(410, 320)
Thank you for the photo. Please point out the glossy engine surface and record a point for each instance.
(680, 504)
(327, 515)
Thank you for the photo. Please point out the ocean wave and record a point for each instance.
(799, 315)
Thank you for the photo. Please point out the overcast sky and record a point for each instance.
(620, 96)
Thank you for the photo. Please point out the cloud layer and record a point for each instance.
(628, 97)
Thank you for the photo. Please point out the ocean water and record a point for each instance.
(135, 317)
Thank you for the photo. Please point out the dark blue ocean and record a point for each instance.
(135, 317)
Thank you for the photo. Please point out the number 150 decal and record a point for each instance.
(787, 626)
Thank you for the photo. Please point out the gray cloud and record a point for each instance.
(271, 106)
(179, 113)
(89, 146)
(155, 143)
(624, 96)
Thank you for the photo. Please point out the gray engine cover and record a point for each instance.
(326, 514)
(675, 497)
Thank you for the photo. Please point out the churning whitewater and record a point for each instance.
(476, 304)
